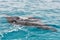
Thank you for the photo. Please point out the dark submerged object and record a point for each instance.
(29, 22)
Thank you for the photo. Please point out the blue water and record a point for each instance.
(47, 10)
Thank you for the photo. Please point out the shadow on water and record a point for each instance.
(32, 31)
(22, 33)
(57, 26)
(14, 35)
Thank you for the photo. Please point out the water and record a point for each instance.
(47, 10)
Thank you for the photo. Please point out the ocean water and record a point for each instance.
(47, 10)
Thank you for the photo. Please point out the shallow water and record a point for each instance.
(47, 10)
